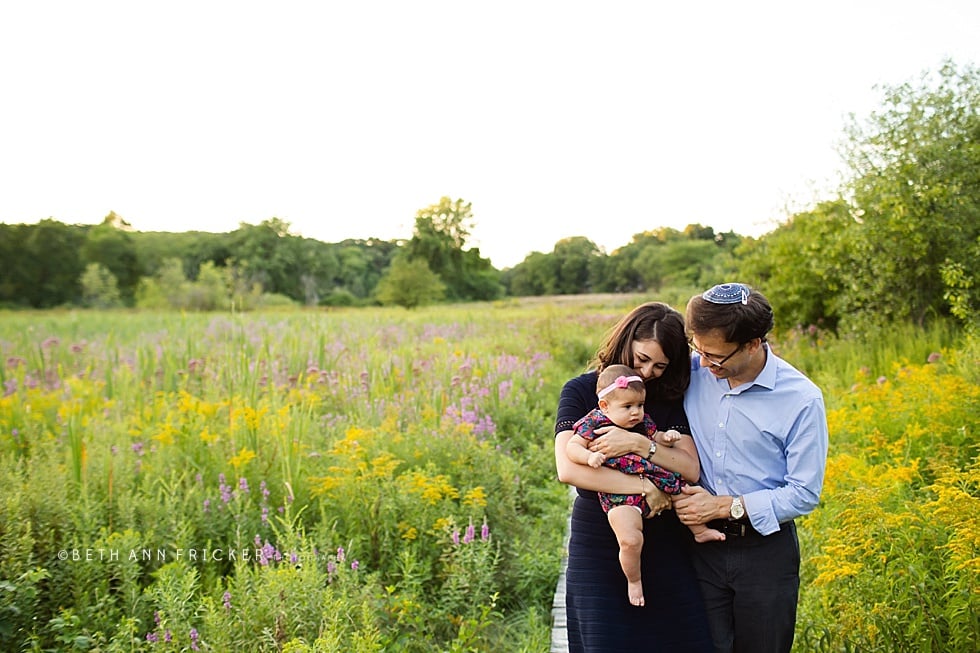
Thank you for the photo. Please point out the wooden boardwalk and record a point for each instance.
(559, 626)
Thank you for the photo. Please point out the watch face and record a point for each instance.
(737, 510)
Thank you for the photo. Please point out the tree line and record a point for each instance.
(900, 241)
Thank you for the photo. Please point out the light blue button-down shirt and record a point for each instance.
(765, 440)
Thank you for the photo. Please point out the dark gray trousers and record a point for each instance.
(751, 585)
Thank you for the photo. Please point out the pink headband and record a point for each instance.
(619, 383)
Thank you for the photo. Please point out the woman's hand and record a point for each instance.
(614, 441)
(657, 499)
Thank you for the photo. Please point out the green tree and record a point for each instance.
(534, 276)
(52, 264)
(210, 292)
(572, 265)
(168, 288)
(99, 287)
(14, 263)
(264, 251)
(410, 283)
(111, 247)
(801, 263)
(627, 271)
(683, 262)
(916, 189)
(439, 238)
(193, 248)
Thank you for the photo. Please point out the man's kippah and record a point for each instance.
(727, 293)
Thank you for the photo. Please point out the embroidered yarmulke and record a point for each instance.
(727, 293)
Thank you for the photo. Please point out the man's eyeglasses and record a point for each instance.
(714, 363)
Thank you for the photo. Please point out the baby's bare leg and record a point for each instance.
(627, 523)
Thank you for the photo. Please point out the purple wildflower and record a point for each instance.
(194, 637)
(340, 554)
(224, 488)
(243, 484)
(226, 600)
(355, 565)
(470, 534)
(485, 531)
(152, 637)
(455, 536)
(269, 553)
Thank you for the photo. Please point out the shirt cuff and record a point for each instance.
(761, 514)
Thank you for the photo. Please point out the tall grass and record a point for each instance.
(382, 480)
(345, 480)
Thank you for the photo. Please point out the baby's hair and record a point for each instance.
(608, 376)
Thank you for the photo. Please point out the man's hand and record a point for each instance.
(695, 505)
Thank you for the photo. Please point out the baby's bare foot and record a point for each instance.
(705, 534)
(635, 590)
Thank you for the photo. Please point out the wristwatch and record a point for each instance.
(653, 450)
(737, 510)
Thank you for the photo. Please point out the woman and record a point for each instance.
(600, 618)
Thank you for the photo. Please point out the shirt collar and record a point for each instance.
(766, 378)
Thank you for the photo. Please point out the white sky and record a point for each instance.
(555, 119)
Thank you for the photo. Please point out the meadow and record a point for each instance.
(382, 480)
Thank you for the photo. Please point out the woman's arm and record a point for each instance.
(604, 479)
(682, 457)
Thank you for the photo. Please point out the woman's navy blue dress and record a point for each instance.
(599, 615)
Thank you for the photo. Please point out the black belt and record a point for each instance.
(733, 528)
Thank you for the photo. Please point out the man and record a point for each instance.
(761, 433)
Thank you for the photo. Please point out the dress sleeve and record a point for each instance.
(649, 426)
(576, 400)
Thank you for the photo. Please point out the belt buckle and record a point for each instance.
(735, 528)
(730, 527)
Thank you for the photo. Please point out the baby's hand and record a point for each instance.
(596, 458)
(668, 438)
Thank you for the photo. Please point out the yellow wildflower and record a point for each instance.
(242, 458)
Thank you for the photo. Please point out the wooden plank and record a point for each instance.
(559, 625)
